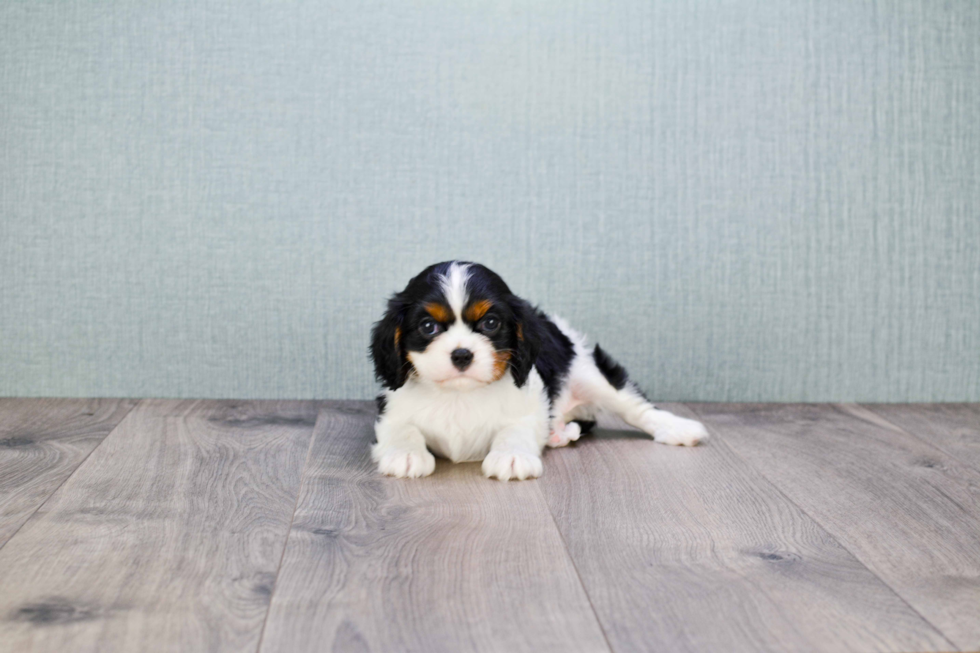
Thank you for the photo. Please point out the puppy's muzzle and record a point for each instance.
(461, 358)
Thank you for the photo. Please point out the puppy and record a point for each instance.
(473, 372)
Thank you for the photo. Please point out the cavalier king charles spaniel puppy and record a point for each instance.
(473, 372)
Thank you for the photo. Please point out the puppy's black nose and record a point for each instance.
(461, 358)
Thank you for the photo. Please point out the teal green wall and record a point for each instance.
(740, 200)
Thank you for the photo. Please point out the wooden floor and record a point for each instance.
(262, 526)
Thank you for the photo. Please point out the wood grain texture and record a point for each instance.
(687, 549)
(453, 562)
(954, 428)
(904, 508)
(167, 538)
(42, 441)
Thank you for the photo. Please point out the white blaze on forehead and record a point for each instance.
(454, 287)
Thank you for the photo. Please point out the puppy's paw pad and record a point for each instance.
(557, 440)
(401, 463)
(680, 431)
(507, 465)
(571, 432)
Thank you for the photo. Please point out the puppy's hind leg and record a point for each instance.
(574, 424)
(609, 388)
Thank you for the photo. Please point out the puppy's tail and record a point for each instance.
(613, 371)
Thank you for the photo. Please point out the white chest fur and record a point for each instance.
(460, 424)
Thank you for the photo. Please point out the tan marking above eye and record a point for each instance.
(438, 312)
(398, 336)
(477, 310)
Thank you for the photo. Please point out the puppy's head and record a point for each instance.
(457, 326)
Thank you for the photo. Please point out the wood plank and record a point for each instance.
(452, 562)
(954, 428)
(42, 441)
(905, 509)
(168, 537)
(689, 549)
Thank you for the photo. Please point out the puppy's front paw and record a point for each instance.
(680, 431)
(507, 465)
(405, 463)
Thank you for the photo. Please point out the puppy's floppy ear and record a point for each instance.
(526, 341)
(390, 364)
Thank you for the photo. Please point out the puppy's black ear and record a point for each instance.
(390, 364)
(526, 341)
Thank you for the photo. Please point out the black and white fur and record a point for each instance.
(473, 372)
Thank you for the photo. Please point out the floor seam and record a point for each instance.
(901, 429)
(73, 472)
(578, 575)
(718, 439)
(292, 520)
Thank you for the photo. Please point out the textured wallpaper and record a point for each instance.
(739, 200)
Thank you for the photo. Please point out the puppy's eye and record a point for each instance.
(489, 325)
(429, 327)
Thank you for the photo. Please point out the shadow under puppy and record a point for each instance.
(473, 372)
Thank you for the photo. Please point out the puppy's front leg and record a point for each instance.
(400, 450)
(514, 453)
